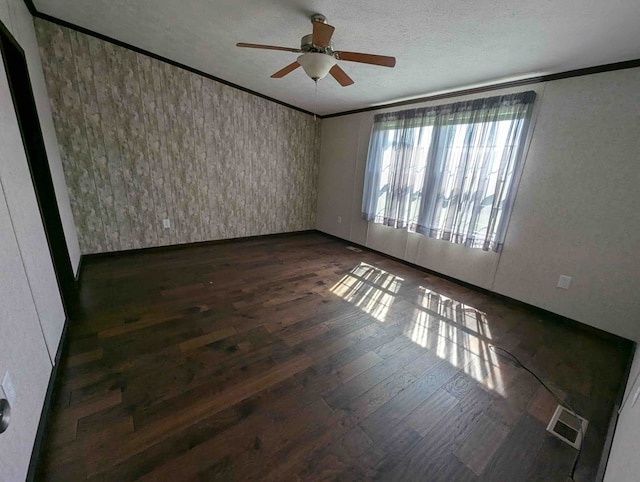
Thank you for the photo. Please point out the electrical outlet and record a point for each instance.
(339, 219)
(166, 224)
(8, 388)
(564, 282)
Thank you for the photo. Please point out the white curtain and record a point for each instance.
(448, 171)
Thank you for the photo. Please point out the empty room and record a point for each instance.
(305, 240)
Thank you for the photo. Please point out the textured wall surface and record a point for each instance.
(576, 211)
(142, 140)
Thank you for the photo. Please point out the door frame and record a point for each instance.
(17, 72)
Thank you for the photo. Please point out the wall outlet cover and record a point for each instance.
(166, 224)
(564, 282)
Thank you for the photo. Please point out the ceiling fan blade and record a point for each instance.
(267, 47)
(341, 76)
(282, 72)
(322, 33)
(367, 58)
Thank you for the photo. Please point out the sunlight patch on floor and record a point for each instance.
(464, 350)
(371, 289)
(458, 333)
(455, 311)
(454, 331)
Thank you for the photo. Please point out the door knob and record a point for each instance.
(5, 414)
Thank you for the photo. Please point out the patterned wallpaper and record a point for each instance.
(142, 140)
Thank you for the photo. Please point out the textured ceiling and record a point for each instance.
(440, 45)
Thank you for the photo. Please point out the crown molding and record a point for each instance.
(92, 33)
(629, 64)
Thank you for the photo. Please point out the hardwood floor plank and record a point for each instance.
(400, 406)
(270, 439)
(517, 453)
(348, 392)
(454, 470)
(428, 457)
(423, 363)
(235, 422)
(154, 409)
(86, 357)
(139, 325)
(293, 459)
(508, 408)
(214, 456)
(336, 341)
(460, 385)
(378, 396)
(554, 461)
(305, 335)
(323, 376)
(151, 434)
(481, 444)
(207, 339)
(393, 346)
(293, 358)
(388, 452)
(357, 366)
(543, 404)
(431, 411)
(76, 412)
(337, 458)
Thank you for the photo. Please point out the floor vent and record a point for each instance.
(566, 426)
(354, 249)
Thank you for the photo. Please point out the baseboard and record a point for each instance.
(79, 271)
(173, 247)
(46, 408)
(624, 342)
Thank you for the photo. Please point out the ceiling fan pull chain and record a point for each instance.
(315, 100)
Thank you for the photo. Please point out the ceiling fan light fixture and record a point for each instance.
(316, 65)
(319, 57)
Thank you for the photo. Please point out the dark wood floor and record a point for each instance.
(294, 358)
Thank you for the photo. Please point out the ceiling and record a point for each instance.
(440, 45)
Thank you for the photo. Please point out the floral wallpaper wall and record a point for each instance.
(142, 141)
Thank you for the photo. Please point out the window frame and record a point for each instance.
(519, 108)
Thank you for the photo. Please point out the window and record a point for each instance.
(449, 171)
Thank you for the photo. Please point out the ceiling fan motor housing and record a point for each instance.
(306, 45)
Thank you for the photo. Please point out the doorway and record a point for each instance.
(15, 65)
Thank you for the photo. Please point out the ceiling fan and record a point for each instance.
(318, 57)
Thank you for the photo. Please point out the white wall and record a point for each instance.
(575, 211)
(31, 314)
(624, 464)
(577, 207)
(22, 353)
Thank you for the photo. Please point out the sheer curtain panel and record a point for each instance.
(449, 171)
